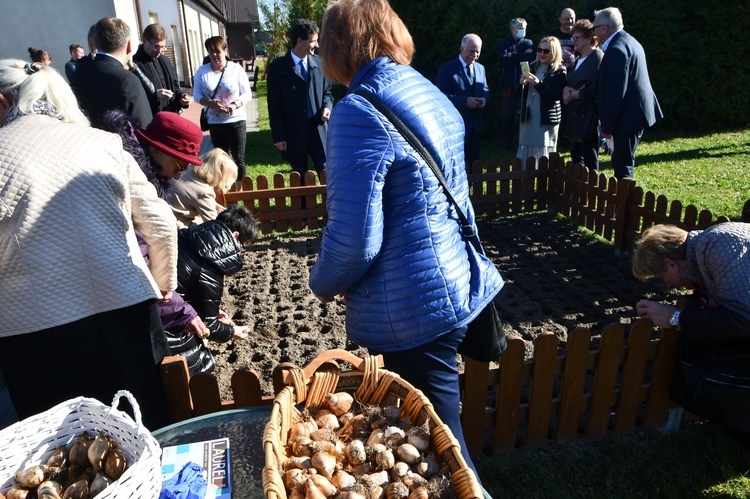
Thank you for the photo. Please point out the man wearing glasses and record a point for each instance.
(165, 94)
(627, 103)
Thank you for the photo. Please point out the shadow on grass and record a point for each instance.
(700, 460)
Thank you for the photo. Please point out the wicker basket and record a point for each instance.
(31, 441)
(370, 385)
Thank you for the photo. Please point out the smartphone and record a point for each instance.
(525, 68)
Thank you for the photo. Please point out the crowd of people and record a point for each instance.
(567, 92)
(118, 254)
(125, 258)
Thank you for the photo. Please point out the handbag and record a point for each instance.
(714, 383)
(485, 338)
(204, 111)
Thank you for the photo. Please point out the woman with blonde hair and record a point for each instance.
(393, 246)
(541, 110)
(73, 283)
(193, 196)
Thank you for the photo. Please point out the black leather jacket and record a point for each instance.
(207, 253)
(550, 91)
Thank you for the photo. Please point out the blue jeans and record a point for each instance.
(432, 368)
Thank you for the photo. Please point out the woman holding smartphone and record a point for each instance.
(540, 107)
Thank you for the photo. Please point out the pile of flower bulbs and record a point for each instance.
(364, 454)
(89, 467)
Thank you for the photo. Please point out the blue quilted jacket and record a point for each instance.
(392, 243)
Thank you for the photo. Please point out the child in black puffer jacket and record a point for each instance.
(207, 253)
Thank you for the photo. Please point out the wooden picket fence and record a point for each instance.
(618, 386)
(617, 210)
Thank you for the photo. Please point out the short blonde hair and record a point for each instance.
(355, 32)
(656, 244)
(218, 169)
(556, 51)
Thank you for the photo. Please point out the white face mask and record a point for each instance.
(520, 33)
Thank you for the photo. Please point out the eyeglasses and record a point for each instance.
(543, 51)
(575, 38)
(160, 48)
(181, 166)
(598, 26)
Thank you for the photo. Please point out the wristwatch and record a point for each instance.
(674, 321)
(236, 106)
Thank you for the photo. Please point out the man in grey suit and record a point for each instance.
(464, 81)
(105, 84)
(627, 103)
(300, 100)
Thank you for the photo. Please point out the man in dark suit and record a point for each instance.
(627, 103)
(165, 93)
(464, 81)
(300, 100)
(105, 84)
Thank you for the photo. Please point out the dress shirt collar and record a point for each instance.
(606, 44)
(297, 59)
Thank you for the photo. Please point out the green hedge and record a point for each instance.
(696, 71)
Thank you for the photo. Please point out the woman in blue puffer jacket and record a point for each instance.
(392, 245)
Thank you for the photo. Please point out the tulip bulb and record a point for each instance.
(115, 464)
(408, 453)
(49, 490)
(397, 490)
(79, 452)
(340, 402)
(59, 457)
(355, 452)
(78, 490)
(97, 451)
(325, 463)
(101, 481)
(32, 477)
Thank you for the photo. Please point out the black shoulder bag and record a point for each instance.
(485, 338)
(204, 111)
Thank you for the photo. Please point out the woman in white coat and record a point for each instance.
(79, 301)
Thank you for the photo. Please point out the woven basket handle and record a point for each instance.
(332, 355)
(136, 408)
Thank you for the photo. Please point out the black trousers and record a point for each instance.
(510, 103)
(623, 157)
(585, 153)
(232, 138)
(92, 357)
(313, 148)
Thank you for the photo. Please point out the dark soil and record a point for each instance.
(558, 278)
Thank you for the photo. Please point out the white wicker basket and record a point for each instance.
(31, 441)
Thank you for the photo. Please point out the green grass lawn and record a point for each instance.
(701, 460)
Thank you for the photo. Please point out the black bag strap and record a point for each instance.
(467, 230)
(219, 83)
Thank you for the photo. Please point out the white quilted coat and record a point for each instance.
(69, 199)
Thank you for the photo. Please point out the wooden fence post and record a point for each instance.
(474, 405)
(624, 188)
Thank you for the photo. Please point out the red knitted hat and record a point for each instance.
(174, 135)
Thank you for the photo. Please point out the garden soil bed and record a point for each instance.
(558, 278)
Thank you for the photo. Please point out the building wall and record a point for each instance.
(51, 25)
(200, 25)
